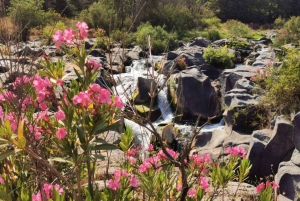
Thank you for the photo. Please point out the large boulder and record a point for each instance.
(202, 42)
(269, 148)
(193, 95)
(288, 176)
(144, 87)
(193, 56)
(258, 142)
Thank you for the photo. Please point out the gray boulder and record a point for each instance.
(193, 95)
(201, 42)
(279, 148)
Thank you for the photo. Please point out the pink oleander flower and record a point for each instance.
(134, 181)
(191, 193)
(118, 102)
(37, 135)
(58, 38)
(1, 180)
(82, 99)
(179, 187)
(260, 187)
(105, 96)
(131, 152)
(60, 82)
(41, 84)
(11, 117)
(131, 160)
(203, 182)
(61, 133)
(172, 153)
(1, 112)
(236, 151)
(274, 185)
(69, 36)
(37, 197)
(48, 189)
(95, 88)
(200, 160)
(59, 189)
(27, 101)
(43, 106)
(92, 64)
(43, 116)
(114, 184)
(150, 147)
(83, 29)
(60, 115)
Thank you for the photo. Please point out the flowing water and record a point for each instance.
(126, 84)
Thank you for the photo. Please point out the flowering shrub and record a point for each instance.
(265, 190)
(56, 134)
(261, 75)
(181, 64)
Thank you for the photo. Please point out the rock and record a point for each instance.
(260, 139)
(144, 87)
(168, 134)
(296, 133)
(211, 71)
(210, 142)
(288, 178)
(136, 53)
(264, 41)
(220, 43)
(194, 95)
(230, 76)
(144, 110)
(279, 148)
(244, 84)
(193, 56)
(202, 42)
(96, 53)
(27, 51)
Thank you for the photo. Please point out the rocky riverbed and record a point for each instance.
(272, 143)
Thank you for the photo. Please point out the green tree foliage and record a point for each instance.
(161, 40)
(99, 15)
(219, 57)
(28, 14)
(290, 33)
(282, 84)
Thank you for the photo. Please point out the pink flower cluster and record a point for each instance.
(19, 81)
(48, 188)
(200, 161)
(236, 151)
(68, 35)
(44, 91)
(155, 161)
(115, 184)
(263, 186)
(96, 95)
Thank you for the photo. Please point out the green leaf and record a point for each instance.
(98, 156)
(80, 134)
(22, 142)
(99, 140)
(104, 147)
(101, 128)
(58, 159)
(6, 154)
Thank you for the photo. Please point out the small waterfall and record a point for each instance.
(142, 135)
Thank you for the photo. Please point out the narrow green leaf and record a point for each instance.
(104, 147)
(58, 159)
(6, 154)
